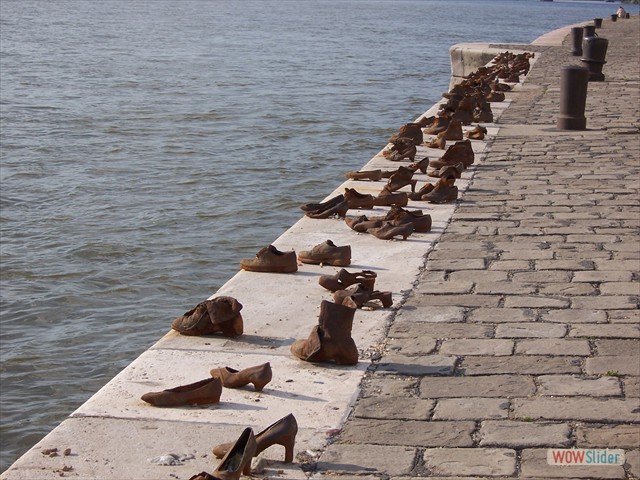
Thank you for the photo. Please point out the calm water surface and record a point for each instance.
(147, 146)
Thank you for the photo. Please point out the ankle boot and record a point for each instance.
(425, 121)
(327, 253)
(386, 198)
(410, 130)
(356, 297)
(219, 315)
(204, 392)
(330, 340)
(453, 131)
(361, 224)
(283, 432)
(438, 142)
(421, 165)
(259, 376)
(356, 199)
(311, 207)
(426, 188)
(373, 175)
(421, 222)
(438, 125)
(344, 279)
(401, 178)
(400, 152)
(389, 230)
(444, 192)
(456, 153)
(237, 461)
(477, 133)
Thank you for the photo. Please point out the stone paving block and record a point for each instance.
(603, 302)
(631, 387)
(460, 264)
(412, 312)
(620, 288)
(530, 330)
(409, 433)
(439, 330)
(570, 385)
(493, 462)
(574, 315)
(577, 408)
(603, 276)
(510, 288)
(397, 386)
(363, 459)
(564, 265)
(632, 458)
(613, 364)
(471, 408)
(618, 265)
(567, 289)
(506, 433)
(553, 346)
(477, 276)
(548, 276)
(527, 254)
(618, 347)
(608, 436)
(510, 265)
(462, 300)
(392, 408)
(446, 287)
(477, 347)
(500, 315)
(601, 330)
(624, 316)
(412, 346)
(533, 464)
(525, 301)
(522, 364)
(418, 365)
(490, 386)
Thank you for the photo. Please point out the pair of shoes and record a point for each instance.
(259, 376)
(219, 315)
(357, 296)
(438, 142)
(204, 392)
(327, 253)
(334, 206)
(270, 259)
(447, 170)
(426, 188)
(402, 147)
(236, 461)
(344, 279)
(421, 222)
(382, 228)
(444, 191)
(330, 340)
(283, 432)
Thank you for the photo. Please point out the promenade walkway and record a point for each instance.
(522, 333)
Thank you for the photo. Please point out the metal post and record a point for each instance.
(594, 53)
(589, 31)
(597, 22)
(576, 40)
(614, 17)
(573, 98)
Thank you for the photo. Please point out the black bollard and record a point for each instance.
(627, 15)
(594, 52)
(597, 22)
(589, 31)
(614, 17)
(573, 98)
(576, 40)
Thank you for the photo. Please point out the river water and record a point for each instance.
(149, 145)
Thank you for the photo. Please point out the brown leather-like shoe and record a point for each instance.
(458, 152)
(356, 297)
(270, 259)
(204, 392)
(410, 130)
(444, 192)
(453, 131)
(283, 432)
(438, 142)
(448, 171)
(477, 133)
(438, 125)
(312, 207)
(237, 461)
(362, 223)
(426, 188)
(344, 279)
(389, 230)
(356, 199)
(401, 178)
(421, 165)
(219, 315)
(330, 340)
(386, 198)
(421, 222)
(259, 376)
(339, 210)
(373, 175)
(327, 253)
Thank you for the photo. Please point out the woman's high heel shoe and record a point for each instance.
(356, 296)
(204, 392)
(237, 460)
(283, 432)
(421, 165)
(390, 230)
(344, 279)
(259, 376)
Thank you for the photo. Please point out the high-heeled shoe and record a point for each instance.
(259, 376)
(401, 178)
(389, 230)
(237, 460)
(373, 175)
(356, 296)
(344, 279)
(283, 432)
(421, 165)
(204, 392)
(426, 188)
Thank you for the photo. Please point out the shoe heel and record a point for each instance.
(413, 185)
(288, 443)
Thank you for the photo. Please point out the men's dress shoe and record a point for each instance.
(448, 171)
(259, 376)
(327, 253)
(356, 199)
(421, 222)
(410, 130)
(270, 259)
(219, 315)
(339, 210)
(200, 393)
(237, 461)
(344, 279)
(283, 432)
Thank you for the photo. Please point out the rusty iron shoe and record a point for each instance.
(361, 224)
(339, 210)
(356, 296)
(426, 188)
(410, 130)
(330, 340)
(402, 177)
(448, 170)
(220, 315)
(438, 142)
(327, 253)
(421, 165)
(386, 198)
(259, 376)
(283, 432)
(311, 207)
(444, 192)
(237, 461)
(477, 133)
(421, 221)
(389, 230)
(270, 259)
(372, 175)
(458, 152)
(344, 279)
(204, 392)
(356, 199)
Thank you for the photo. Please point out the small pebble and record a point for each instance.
(67, 452)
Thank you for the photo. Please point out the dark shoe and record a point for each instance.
(344, 279)
(448, 171)
(270, 259)
(426, 188)
(356, 297)
(362, 223)
(259, 376)
(327, 253)
(200, 393)
(356, 199)
(330, 340)
(237, 461)
(203, 476)
(444, 192)
(410, 130)
(339, 210)
(283, 432)
(220, 315)
(389, 230)
(477, 133)
(373, 175)
(401, 178)
(456, 153)
(421, 165)
(386, 198)
(311, 207)
(453, 131)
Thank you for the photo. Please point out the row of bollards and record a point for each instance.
(574, 79)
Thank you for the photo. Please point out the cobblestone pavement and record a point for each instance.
(522, 332)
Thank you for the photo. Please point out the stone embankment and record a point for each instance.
(514, 329)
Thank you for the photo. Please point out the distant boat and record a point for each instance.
(546, 0)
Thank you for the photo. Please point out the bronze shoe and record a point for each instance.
(410, 130)
(344, 279)
(453, 131)
(426, 188)
(259, 376)
(421, 165)
(327, 253)
(438, 142)
(444, 192)
(356, 199)
(283, 432)
(311, 207)
(400, 151)
(339, 210)
(401, 178)
(477, 133)
(237, 461)
(361, 224)
(389, 230)
(458, 152)
(373, 175)
(438, 125)
(448, 171)
(219, 315)
(270, 259)
(386, 198)
(356, 297)
(204, 392)
(421, 222)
